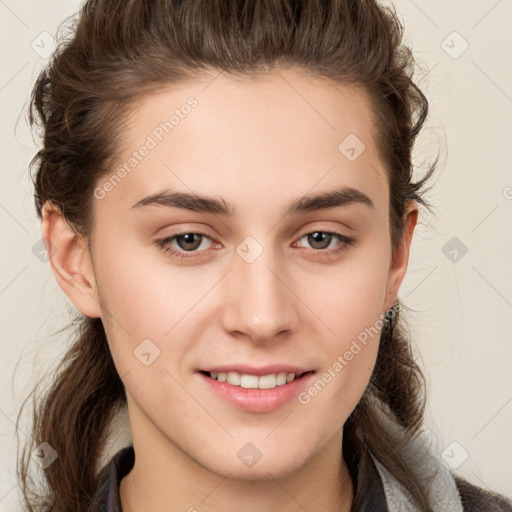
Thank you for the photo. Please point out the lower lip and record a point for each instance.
(258, 400)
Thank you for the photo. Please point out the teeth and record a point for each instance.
(248, 381)
(269, 381)
(281, 378)
(233, 378)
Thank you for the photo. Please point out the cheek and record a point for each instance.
(143, 293)
(350, 296)
(146, 298)
(349, 356)
(349, 306)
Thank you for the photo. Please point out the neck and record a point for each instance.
(324, 483)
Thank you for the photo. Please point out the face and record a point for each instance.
(254, 275)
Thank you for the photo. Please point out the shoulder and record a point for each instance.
(475, 499)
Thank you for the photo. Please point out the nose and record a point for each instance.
(259, 302)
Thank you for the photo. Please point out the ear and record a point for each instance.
(71, 261)
(400, 258)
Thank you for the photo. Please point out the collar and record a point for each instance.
(428, 469)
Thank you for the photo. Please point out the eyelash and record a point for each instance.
(164, 244)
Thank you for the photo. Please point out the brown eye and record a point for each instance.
(184, 245)
(318, 239)
(321, 240)
(187, 242)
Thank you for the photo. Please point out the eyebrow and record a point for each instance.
(343, 196)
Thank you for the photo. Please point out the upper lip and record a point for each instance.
(262, 370)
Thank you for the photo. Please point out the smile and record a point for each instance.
(248, 381)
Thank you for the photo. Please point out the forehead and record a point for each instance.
(225, 135)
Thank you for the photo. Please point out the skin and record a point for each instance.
(269, 145)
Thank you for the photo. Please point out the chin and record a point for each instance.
(266, 468)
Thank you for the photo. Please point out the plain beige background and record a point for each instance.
(459, 281)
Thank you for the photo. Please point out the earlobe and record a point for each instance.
(70, 260)
(400, 259)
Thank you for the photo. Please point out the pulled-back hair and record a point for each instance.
(121, 50)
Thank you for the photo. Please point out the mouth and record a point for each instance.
(251, 381)
(259, 391)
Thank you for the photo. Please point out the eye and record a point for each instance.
(187, 243)
(321, 240)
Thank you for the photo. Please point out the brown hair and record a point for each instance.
(124, 49)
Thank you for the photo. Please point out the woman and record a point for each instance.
(227, 199)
